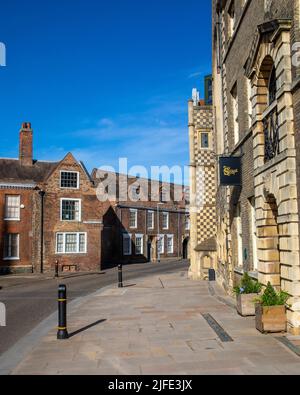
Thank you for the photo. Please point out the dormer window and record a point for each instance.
(69, 179)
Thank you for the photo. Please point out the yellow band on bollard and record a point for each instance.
(61, 329)
(62, 300)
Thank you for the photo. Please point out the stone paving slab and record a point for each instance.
(157, 328)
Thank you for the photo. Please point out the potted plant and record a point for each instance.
(246, 294)
(271, 311)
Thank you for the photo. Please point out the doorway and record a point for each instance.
(185, 248)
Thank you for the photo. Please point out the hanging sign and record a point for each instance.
(230, 171)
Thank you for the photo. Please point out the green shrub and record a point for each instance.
(248, 286)
(272, 298)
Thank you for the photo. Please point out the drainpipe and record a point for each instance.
(42, 195)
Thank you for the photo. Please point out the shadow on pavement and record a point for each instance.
(86, 328)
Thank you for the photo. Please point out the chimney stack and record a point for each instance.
(25, 154)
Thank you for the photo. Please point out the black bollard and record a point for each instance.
(62, 333)
(120, 276)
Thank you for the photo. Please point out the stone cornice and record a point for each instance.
(271, 28)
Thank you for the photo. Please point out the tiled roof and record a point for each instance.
(11, 171)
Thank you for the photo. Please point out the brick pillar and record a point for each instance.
(25, 152)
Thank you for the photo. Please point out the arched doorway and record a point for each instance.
(270, 270)
(186, 248)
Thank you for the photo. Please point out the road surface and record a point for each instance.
(28, 305)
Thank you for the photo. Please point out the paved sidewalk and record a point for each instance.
(157, 327)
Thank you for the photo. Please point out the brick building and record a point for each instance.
(256, 100)
(203, 186)
(52, 212)
(48, 211)
(131, 226)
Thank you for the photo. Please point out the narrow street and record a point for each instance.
(165, 324)
(28, 305)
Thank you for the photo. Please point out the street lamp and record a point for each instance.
(158, 233)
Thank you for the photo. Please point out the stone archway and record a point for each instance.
(269, 244)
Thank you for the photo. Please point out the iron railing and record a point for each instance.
(271, 133)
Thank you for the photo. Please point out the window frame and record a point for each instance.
(11, 258)
(64, 234)
(208, 140)
(133, 211)
(168, 238)
(139, 236)
(272, 85)
(187, 220)
(165, 214)
(72, 172)
(127, 236)
(152, 219)
(71, 200)
(6, 218)
(161, 238)
(235, 114)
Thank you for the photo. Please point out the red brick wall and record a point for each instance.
(91, 210)
(22, 227)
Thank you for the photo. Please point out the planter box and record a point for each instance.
(271, 319)
(245, 304)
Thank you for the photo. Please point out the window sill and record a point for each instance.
(12, 219)
(71, 253)
(11, 259)
(71, 222)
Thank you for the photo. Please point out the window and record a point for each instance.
(139, 244)
(204, 140)
(71, 243)
(249, 95)
(164, 195)
(150, 219)
(12, 207)
(11, 246)
(272, 86)
(69, 179)
(133, 219)
(165, 220)
(127, 245)
(71, 210)
(170, 244)
(235, 112)
(187, 222)
(161, 244)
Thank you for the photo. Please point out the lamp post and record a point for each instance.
(158, 233)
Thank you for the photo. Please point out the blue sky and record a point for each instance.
(103, 79)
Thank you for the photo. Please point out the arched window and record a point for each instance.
(272, 86)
